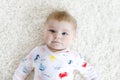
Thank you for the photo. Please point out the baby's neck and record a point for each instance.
(55, 50)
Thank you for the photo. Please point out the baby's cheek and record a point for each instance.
(68, 43)
(49, 37)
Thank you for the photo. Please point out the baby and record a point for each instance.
(54, 60)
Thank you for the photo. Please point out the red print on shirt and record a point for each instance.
(64, 74)
(84, 64)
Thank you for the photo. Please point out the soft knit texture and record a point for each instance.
(48, 65)
(98, 33)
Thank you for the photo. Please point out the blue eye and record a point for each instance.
(52, 31)
(64, 33)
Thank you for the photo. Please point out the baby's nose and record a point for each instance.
(57, 35)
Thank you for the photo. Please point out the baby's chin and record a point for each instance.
(55, 49)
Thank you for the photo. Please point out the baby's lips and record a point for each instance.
(55, 41)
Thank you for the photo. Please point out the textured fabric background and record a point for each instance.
(98, 34)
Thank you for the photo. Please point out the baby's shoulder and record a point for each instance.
(77, 54)
(38, 50)
(73, 52)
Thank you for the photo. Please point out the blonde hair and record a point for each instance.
(62, 16)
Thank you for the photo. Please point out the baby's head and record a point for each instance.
(60, 30)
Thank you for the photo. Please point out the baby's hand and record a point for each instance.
(91, 74)
(78, 75)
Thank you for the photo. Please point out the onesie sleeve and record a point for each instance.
(25, 66)
(85, 69)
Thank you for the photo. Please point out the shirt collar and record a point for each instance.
(62, 51)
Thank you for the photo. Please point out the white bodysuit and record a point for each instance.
(48, 65)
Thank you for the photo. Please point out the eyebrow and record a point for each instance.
(64, 30)
(51, 27)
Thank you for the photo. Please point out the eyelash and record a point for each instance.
(64, 33)
(53, 31)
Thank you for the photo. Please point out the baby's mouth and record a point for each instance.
(56, 42)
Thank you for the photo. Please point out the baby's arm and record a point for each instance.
(91, 73)
(25, 67)
(86, 70)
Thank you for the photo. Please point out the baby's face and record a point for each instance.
(59, 34)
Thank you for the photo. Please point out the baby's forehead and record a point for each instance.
(60, 28)
(56, 23)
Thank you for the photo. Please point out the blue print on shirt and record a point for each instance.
(25, 70)
(46, 75)
(36, 58)
(25, 59)
(70, 61)
(57, 68)
(42, 67)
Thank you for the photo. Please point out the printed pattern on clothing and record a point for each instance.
(52, 66)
